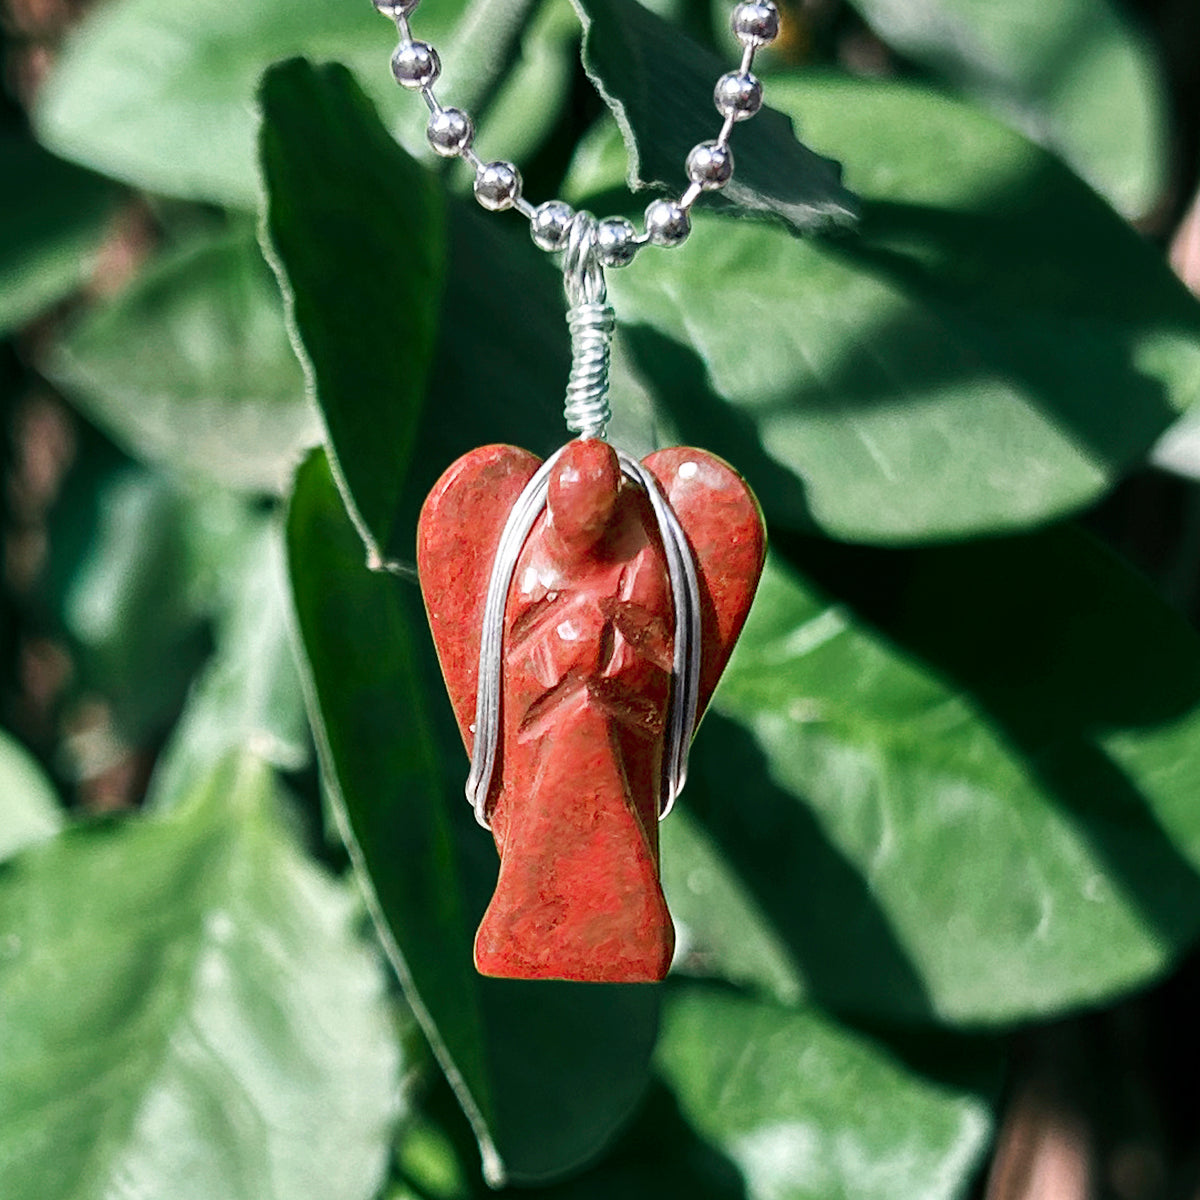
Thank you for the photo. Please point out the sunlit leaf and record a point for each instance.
(191, 367)
(163, 96)
(995, 347)
(189, 1012)
(1076, 75)
(29, 808)
(808, 1110)
(954, 784)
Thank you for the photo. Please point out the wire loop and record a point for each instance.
(583, 276)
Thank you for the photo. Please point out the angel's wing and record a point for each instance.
(457, 535)
(724, 527)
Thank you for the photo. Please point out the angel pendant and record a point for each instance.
(587, 669)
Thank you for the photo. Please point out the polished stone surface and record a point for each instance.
(588, 649)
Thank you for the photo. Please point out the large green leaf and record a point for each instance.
(163, 96)
(189, 1012)
(191, 367)
(52, 219)
(544, 1071)
(357, 230)
(808, 1110)
(1075, 75)
(29, 808)
(659, 85)
(955, 784)
(994, 349)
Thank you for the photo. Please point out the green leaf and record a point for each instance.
(808, 1110)
(995, 349)
(544, 1071)
(249, 695)
(191, 367)
(659, 84)
(51, 227)
(658, 1157)
(1178, 450)
(357, 230)
(29, 807)
(189, 1012)
(1076, 76)
(754, 1102)
(522, 91)
(965, 784)
(163, 97)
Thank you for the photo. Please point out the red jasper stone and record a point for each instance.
(588, 644)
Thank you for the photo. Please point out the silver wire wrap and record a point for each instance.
(587, 410)
(685, 597)
(520, 521)
(591, 322)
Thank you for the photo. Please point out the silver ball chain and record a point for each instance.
(451, 133)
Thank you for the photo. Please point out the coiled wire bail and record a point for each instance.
(591, 322)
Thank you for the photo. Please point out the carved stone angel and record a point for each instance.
(586, 684)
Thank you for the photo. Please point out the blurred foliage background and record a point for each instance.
(936, 874)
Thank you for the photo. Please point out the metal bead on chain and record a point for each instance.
(450, 132)
(497, 185)
(738, 95)
(616, 241)
(710, 164)
(416, 65)
(756, 23)
(550, 223)
(667, 222)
